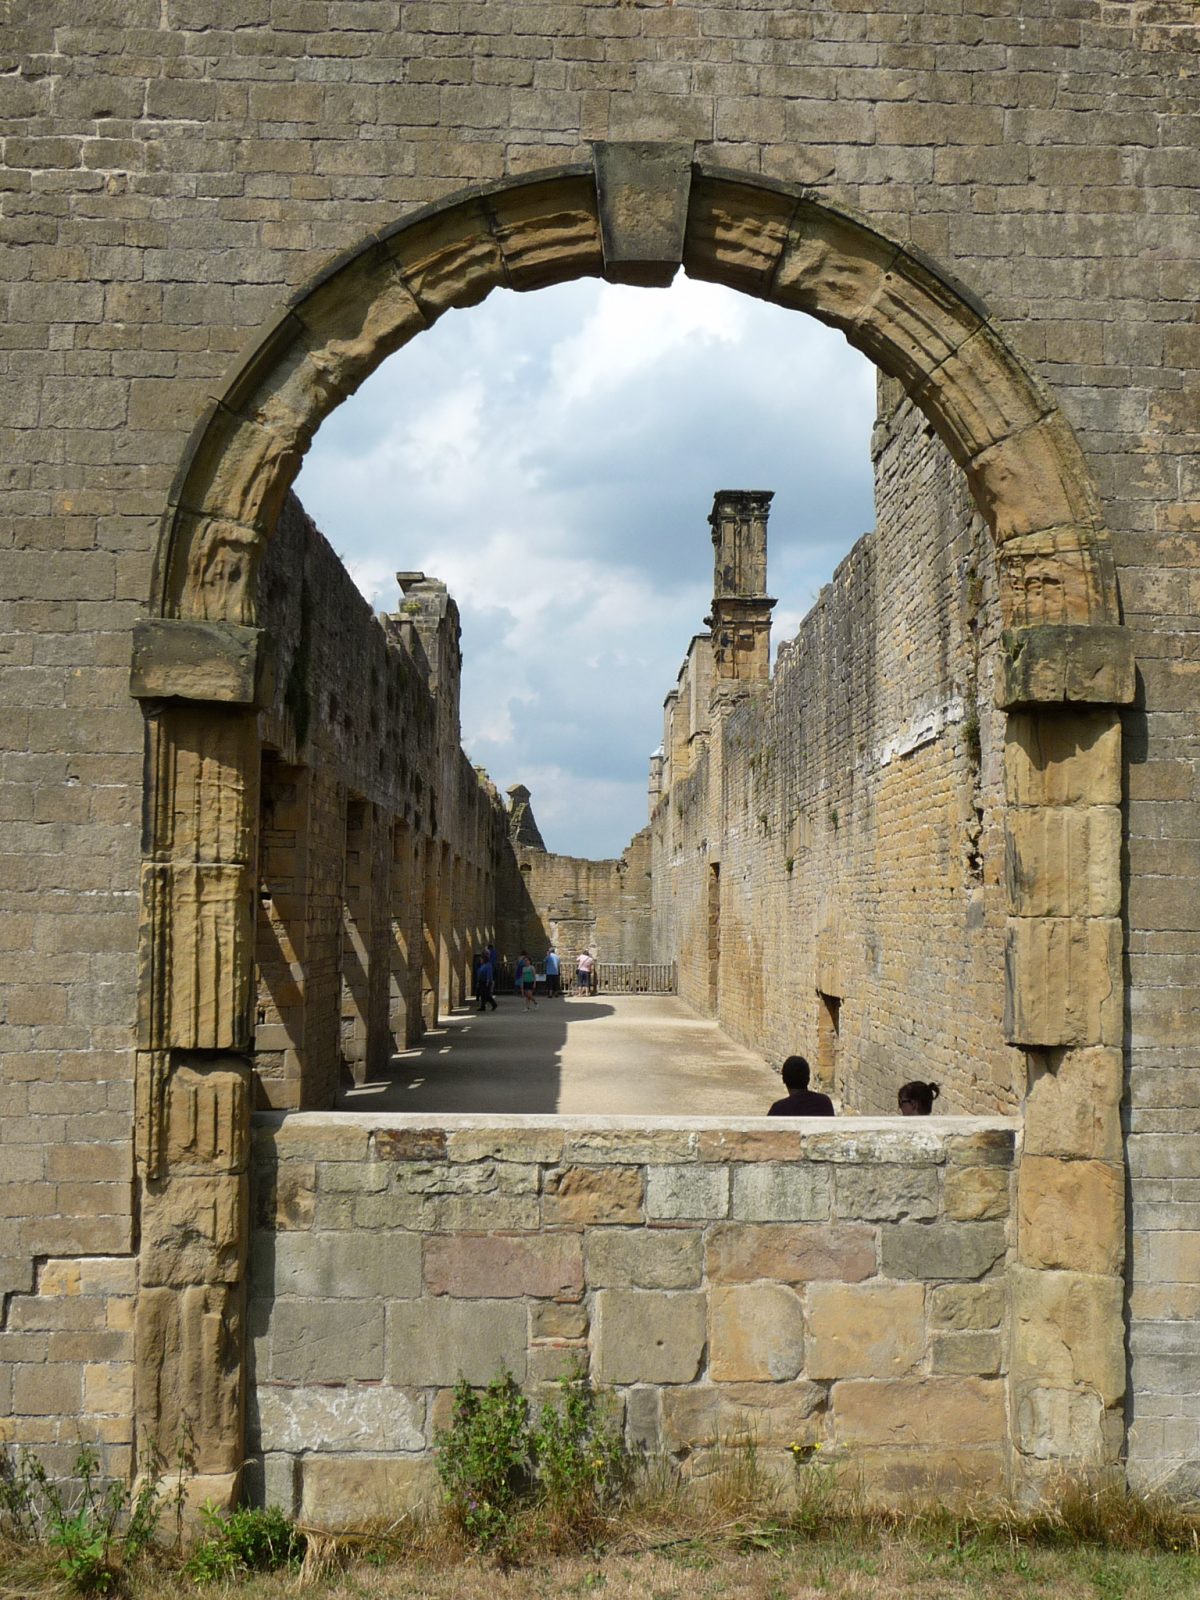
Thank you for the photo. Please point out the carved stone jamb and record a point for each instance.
(193, 1090)
(1063, 1003)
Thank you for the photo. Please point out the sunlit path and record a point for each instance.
(641, 1055)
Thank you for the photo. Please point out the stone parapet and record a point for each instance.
(795, 1283)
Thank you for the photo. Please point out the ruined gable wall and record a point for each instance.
(855, 811)
(576, 904)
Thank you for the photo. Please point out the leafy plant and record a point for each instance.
(495, 1460)
(485, 1461)
(96, 1526)
(581, 1460)
(250, 1539)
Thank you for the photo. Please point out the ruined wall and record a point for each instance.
(575, 904)
(363, 762)
(829, 873)
(847, 1287)
(172, 174)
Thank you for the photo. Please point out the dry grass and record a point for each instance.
(739, 1534)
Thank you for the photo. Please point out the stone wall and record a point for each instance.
(807, 1283)
(362, 765)
(575, 904)
(175, 175)
(828, 865)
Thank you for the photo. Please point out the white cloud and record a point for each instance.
(552, 457)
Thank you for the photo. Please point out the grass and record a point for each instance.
(738, 1533)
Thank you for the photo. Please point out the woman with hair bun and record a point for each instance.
(916, 1098)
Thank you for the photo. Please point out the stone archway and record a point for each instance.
(635, 214)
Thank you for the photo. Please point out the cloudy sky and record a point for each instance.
(553, 457)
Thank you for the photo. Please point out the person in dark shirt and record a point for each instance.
(801, 1101)
(916, 1099)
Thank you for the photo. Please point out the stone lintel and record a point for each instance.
(643, 191)
(222, 662)
(1049, 664)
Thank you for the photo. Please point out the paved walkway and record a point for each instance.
(633, 1055)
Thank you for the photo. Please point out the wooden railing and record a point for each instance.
(635, 977)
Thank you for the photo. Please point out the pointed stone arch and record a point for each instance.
(634, 214)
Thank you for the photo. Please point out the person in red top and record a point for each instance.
(801, 1101)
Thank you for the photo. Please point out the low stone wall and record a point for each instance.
(837, 1284)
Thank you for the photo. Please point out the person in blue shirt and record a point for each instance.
(551, 969)
(485, 984)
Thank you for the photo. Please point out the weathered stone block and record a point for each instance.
(448, 259)
(1057, 759)
(326, 1341)
(643, 191)
(593, 1195)
(197, 956)
(930, 1412)
(1054, 664)
(771, 1191)
(1073, 1105)
(644, 1258)
(756, 1334)
(741, 1252)
(887, 1193)
(949, 1250)
(207, 1115)
(977, 1194)
(328, 1265)
(1071, 1215)
(735, 233)
(769, 1415)
(195, 1230)
(687, 1193)
(1067, 1332)
(1063, 861)
(437, 1342)
(524, 1145)
(986, 1147)
(221, 662)
(1062, 984)
(644, 1337)
(188, 1359)
(966, 1354)
(1060, 1425)
(545, 1266)
(901, 1146)
(869, 1330)
(348, 1491)
(337, 1417)
(553, 1321)
(631, 1146)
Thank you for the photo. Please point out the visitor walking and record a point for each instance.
(551, 969)
(527, 981)
(485, 983)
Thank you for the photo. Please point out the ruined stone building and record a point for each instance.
(953, 834)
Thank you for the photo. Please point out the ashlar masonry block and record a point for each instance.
(756, 1334)
(646, 1337)
(1063, 981)
(865, 1330)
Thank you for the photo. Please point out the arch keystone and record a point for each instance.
(643, 192)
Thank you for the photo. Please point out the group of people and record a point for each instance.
(914, 1099)
(525, 977)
